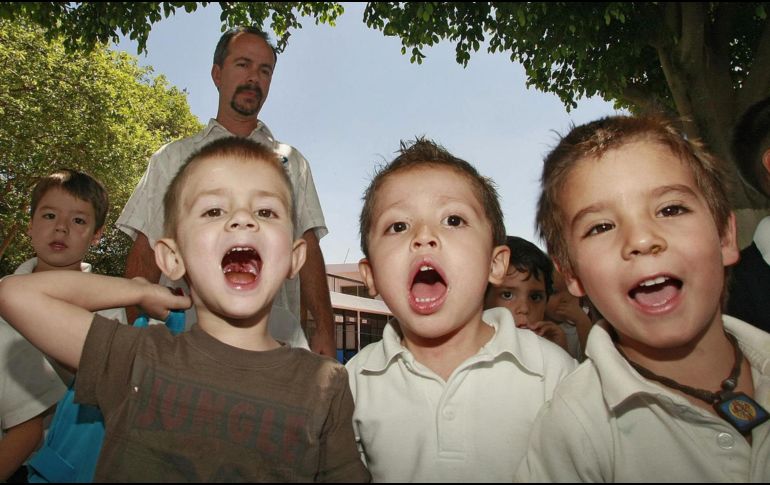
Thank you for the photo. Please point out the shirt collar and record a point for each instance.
(520, 344)
(762, 238)
(620, 381)
(216, 125)
(28, 266)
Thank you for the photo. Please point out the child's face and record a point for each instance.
(62, 229)
(644, 246)
(235, 235)
(521, 293)
(430, 251)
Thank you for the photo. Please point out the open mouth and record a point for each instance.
(241, 266)
(428, 289)
(656, 292)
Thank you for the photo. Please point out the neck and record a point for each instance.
(703, 362)
(246, 334)
(444, 354)
(236, 124)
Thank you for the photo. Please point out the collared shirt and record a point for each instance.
(412, 426)
(143, 213)
(762, 238)
(606, 423)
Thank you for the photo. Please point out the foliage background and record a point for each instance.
(95, 111)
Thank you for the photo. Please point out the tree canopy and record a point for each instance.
(93, 111)
(705, 63)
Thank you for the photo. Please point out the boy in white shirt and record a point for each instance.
(451, 391)
(669, 387)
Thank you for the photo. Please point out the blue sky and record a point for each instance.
(345, 96)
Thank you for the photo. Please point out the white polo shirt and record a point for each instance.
(143, 213)
(411, 426)
(606, 423)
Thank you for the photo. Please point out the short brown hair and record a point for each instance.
(592, 140)
(228, 147)
(79, 185)
(424, 152)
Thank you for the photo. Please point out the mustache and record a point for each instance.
(249, 87)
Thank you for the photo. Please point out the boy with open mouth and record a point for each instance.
(450, 392)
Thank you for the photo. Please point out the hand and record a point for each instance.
(550, 331)
(158, 301)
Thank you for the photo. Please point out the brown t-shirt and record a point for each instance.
(191, 408)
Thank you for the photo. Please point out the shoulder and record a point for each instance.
(324, 369)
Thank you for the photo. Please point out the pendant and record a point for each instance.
(742, 412)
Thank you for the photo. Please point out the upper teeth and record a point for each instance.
(241, 249)
(425, 267)
(654, 281)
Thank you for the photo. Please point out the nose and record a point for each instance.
(242, 219)
(643, 238)
(424, 237)
(61, 225)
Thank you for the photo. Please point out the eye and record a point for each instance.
(506, 295)
(216, 212)
(48, 215)
(600, 228)
(80, 221)
(397, 227)
(454, 221)
(267, 71)
(673, 210)
(537, 297)
(266, 213)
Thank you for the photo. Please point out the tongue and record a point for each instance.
(428, 290)
(657, 295)
(240, 273)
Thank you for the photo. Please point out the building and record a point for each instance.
(359, 318)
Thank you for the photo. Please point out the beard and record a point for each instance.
(251, 107)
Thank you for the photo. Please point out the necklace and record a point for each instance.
(738, 409)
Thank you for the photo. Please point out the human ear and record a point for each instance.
(729, 242)
(298, 255)
(365, 268)
(169, 259)
(498, 267)
(571, 281)
(97, 235)
(216, 75)
(766, 160)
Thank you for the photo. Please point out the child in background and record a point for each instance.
(67, 214)
(526, 289)
(224, 401)
(668, 390)
(450, 392)
(568, 312)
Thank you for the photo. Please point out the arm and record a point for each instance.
(314, 292)
(140, 262)
(18, 443)
(52, 309)
(572, 312)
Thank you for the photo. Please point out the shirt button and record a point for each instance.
(449, 414)
(725, 441)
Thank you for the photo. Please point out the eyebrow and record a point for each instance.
(261, 194)
(682, 189)
(249, 59)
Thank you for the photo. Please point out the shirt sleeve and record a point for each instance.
(340, 461)
(105, 365)
(309, 214)
(143, 213)
(28, 384)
